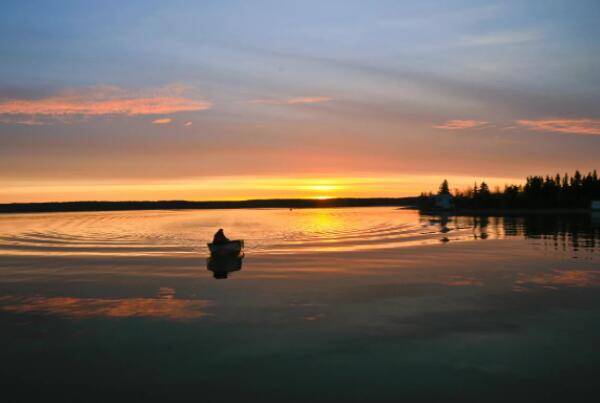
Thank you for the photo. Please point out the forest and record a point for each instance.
(538, 192)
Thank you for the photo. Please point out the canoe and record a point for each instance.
(229, 248)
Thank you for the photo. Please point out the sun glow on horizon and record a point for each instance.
(236, 188)
(320, 188)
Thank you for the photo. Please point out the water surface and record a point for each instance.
(361, 304)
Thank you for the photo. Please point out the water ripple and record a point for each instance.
(265, 231)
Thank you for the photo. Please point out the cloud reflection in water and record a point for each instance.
(572, 278)
(84, 308)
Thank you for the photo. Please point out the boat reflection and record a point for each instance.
(221, 266)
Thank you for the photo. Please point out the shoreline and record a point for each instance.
(97, 206)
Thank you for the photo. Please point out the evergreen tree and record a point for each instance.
(444, 188)
(577, 191)
(484, 189)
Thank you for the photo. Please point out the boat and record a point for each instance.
(228, 248)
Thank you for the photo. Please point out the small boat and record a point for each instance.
(229, 248)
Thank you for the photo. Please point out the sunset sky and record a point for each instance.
(205, 100)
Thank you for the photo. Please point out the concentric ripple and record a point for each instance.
(265, 231)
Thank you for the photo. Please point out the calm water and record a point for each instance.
(370, 304)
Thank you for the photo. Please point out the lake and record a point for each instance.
(348, 304)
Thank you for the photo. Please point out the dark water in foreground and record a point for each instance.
(370, 304)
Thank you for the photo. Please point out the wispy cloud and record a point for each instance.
(292, 101)
(569, 126)
(501, 38)
(25, 122)
(458, 124)
(162, 121)
(99, 101)
(187, 124)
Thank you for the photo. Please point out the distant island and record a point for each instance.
(557, 192)
(52, 207)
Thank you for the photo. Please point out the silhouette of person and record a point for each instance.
(220, 237)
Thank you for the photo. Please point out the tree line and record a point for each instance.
(575, 191)
(183, 204)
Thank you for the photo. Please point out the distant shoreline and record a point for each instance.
(82, 206)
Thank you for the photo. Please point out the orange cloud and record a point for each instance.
(162, 121)
(570, 126)
(102, 100)
(292, 101)
(458, 124)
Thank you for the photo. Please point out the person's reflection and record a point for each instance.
(221, 266)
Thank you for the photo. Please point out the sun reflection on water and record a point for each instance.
(274, 231)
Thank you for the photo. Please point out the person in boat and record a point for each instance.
(220, 237)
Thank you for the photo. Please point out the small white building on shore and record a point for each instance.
(443, 201)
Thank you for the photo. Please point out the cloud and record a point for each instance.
(100, 101)
(25, 122)
(187, 124)
(458, 124)
(501, 38)
(292, 101)
(162, 121)
(570, 126)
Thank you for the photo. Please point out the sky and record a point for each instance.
(212, 100)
